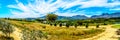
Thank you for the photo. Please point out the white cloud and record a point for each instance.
(94, 3)
(67, 14)
(116, 3)
(40, 7)
(32, 10)
(37, 8)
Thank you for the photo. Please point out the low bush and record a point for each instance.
(74, 34)
(44, 27)
(33, 35)
(6, 38)
(51, 24)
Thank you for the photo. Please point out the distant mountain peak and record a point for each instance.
(107, 15)
(70, 17)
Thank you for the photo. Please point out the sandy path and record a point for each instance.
(109, 34)
(16, 34)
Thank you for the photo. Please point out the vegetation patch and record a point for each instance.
(116, 26)
(6, 38)
(57, 31)
(66, 34)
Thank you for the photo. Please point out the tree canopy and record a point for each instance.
(51, 17)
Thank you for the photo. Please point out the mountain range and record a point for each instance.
(104, 15)
(107, 15)
(71, 17)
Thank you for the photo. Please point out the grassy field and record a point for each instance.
(59, 33)
(116, 26)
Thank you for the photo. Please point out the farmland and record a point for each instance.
(59, 30)
(56, 32)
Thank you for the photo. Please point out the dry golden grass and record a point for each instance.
(59, 33)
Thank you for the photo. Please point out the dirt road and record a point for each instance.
(109, 34)
(16, 34)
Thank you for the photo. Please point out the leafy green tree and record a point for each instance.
(51, 17)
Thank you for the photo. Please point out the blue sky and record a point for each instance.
(38, 8)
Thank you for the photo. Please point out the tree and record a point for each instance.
(87, 25)
(80, 23)
(51, 17)
(67, 24)
(55, 24)
(97, 26)
(60, 24)
(75, 25)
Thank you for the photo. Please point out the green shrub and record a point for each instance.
(60, 24)
(32, 35)
(6, 38)
(7, 28)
